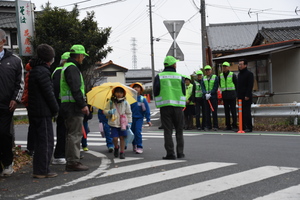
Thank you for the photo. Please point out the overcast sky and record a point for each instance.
(130, 19)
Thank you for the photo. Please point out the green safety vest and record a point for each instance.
(209, 83)
(198, 89)
(227, 84)
(65, 92)
(189, 92)
(57, 68)
(170, 90)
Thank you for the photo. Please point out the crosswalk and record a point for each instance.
(173, 171)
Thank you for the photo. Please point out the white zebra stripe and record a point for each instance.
(213, 186)
(118, 186)
(291, 193)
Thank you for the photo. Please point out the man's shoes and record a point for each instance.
(59, 161)
(215, 129)
(78, 166)
(85, 149)
(122, 155)
(116, 152)
(110, 149)
(139, 151)
(199, 128)
(206, 129)
(49, 175)
(160, 127)
(169, 157)
(29, 152)
(248, 130)
(180, 155)
(235, 129)
(8, 170)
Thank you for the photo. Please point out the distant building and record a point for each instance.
(110, 72)
(143, 76)
(8, 23)
(273, 53)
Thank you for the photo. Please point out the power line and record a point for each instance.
(103, 4)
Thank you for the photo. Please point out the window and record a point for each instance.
(109, 73)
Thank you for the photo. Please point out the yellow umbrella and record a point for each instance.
(100, 95)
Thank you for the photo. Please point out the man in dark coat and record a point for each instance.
(42, 106)
(244, 92)
(11, 87)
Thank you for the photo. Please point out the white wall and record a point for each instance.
(286, 75)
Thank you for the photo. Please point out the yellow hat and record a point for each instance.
(169, 61)
(226, 64)
(199, 72)
(137, 83)
(118, 86)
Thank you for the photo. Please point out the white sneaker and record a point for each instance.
(59, 161)
(8, 170)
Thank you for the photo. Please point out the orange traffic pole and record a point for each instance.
(240, 117)
(148, 98)
(211, 107)
(83, 132)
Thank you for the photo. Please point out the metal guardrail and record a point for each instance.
(257, 110)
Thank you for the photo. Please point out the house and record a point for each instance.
(110, 72)
(144, 76)
(8, 23)
(273, 56)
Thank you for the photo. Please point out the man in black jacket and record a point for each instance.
(11, 87)
(42, 106)
(73, 106)
(244, 92)
(59, 152)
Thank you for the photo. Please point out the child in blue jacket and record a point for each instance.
(102, 119)
(140, 109)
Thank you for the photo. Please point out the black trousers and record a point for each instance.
(200, 111)
(208, 112)
(189, 112)
(42, 129)
(230, 107)
(246, 109)
(60, 146)
(172, 116)
(6, 138)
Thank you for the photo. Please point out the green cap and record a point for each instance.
(199, 72)
(207, 67)
(65, 56)
(78, 49)
(169, 61)
(226, 64)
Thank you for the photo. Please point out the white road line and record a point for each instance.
(104, 165)
(140, 166)
(118, 186)
(291, 193)
(116, 160)
(206, 188)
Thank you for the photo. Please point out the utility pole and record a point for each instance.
(203, 31)
(151, 42)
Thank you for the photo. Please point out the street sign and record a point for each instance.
(176, 52)
(174, 27)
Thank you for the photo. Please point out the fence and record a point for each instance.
(257, 110)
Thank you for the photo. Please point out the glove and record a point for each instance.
(112, 111)
(129, 125)
(207, 96)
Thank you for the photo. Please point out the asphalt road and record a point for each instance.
(218, 165)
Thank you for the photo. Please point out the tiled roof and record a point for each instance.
(10, 4)
(110, 63)
(272, 35)
(141, 73)
(8, 20)
(230, 36)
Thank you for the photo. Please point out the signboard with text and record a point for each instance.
(25, 27)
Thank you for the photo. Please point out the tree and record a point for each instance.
(61, 29)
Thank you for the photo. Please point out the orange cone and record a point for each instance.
(240, 117)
